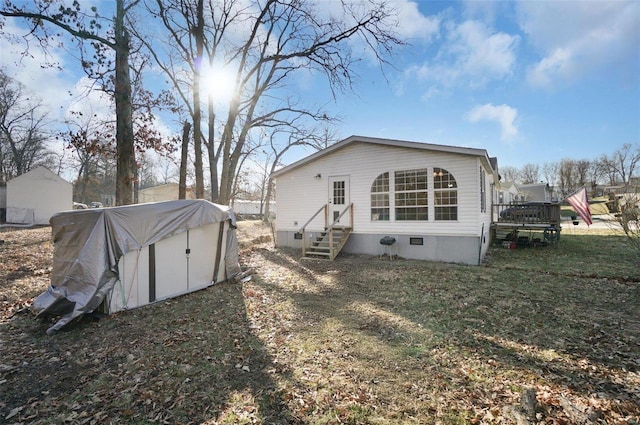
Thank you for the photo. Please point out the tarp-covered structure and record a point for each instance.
(124, 257)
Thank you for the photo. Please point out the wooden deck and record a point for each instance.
(526, 224)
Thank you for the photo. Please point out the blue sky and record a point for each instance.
(530, 81)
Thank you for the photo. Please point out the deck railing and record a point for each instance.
(527, 213)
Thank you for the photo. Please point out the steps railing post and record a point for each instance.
(326, 215)
(304, 238)
(331, 247)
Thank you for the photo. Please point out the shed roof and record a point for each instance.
(491, 163)
(39, 171)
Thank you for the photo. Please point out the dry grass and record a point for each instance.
(359, 340)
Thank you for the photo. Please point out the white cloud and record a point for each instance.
(472, 55)
(413, 24)
(32, 70)
(502, 114)
(578, 39)
(91, 103)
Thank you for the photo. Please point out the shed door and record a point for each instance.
(203, 244)
(339, 200)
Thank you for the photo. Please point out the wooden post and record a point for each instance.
(326, 215)
(331, 244)
(304, 238)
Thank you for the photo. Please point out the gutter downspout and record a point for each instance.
(480, 245)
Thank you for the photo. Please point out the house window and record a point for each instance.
(380, 198)
(411, 195)
(445, 192)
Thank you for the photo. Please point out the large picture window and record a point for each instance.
(445, 192)
(380, 198)
(404, 195)
(411, 198)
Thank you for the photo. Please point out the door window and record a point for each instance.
(338, 192)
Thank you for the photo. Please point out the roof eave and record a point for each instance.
(386, 142)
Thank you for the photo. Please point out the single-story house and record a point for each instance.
(536, 192)
(430, 201)
(244, 207)
(163, 192)
(509, 193)
(35, 196)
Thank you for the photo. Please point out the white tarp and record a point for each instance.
(89, 243)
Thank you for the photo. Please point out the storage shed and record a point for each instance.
(113, 259)
(33, 197)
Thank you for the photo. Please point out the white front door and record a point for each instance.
(339, 200)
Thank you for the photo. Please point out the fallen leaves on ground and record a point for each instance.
(359, 340)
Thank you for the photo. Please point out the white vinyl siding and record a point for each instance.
(299, 194)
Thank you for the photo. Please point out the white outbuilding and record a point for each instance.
(33, 197)
(114, 259)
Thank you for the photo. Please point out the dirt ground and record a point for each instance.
(26, 257)
(360, 340)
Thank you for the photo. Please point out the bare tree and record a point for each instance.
(566, 175)
(530, 173)
(86, 26)
(90, 141)
(510, 174)
(622, 163)
(23, 130)
(582, 167)
(315, 140)
(550, 172)
(596, 173)
(264, 44)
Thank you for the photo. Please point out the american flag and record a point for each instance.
(580, 204)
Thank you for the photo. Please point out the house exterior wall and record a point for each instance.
(34, 197)
(165, 192)
(300, 194)
(244, 207)
(535, 192)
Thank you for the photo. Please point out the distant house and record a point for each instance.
(536, 192)
(509, 193)
(252, 208)
(430, 201)
(33, 197)
(163, 192)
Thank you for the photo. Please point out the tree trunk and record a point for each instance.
(182, 186)
(267, 199)
(125, 152)
(211, 147)
(197, 113)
